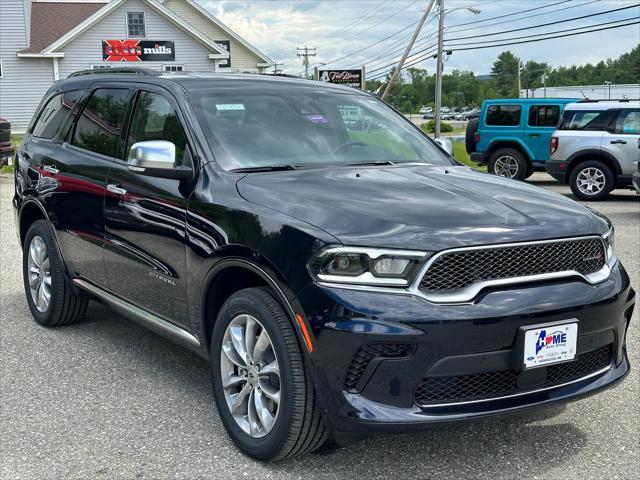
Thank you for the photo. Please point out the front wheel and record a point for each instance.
(509, 163)
(263, 391)
(591, 180)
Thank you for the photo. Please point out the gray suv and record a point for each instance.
(596, 147)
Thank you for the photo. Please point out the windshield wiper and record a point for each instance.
(266, 168)
(377, 162)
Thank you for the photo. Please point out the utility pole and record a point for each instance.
(439, 67)
(519, 80)
(275, 67)
(305, 53)
(396, 73)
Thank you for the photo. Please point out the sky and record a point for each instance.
(366, 31)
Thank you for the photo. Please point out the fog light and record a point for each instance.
(390, 266)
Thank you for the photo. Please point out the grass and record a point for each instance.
(460, 154)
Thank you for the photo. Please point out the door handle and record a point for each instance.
(534, 135)
(618, 142)
(50, 169)
(116, 189)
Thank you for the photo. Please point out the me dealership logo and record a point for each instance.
(137, 50)
(555, 339)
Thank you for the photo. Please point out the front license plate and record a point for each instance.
(547, 345)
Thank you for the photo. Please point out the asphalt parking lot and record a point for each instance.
(108, 399)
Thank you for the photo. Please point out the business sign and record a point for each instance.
(138, 51)
(225, 62)
(350, 78)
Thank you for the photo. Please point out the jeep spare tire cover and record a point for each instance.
(470, 135)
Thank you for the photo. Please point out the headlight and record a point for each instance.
(610, 240)
(367, 266)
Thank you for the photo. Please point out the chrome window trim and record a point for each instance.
(519, 394)
(466, 295)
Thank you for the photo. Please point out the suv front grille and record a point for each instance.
(368, 352)
(479, 386)
(458, 269)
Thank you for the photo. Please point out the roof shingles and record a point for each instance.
(51, 20)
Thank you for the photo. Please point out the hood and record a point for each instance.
(419, 207)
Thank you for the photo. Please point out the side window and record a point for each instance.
(585, 120)
(544, 115)
(54, 114)
(628, 122)
(155, 119)
(503, 115)
(99, 125)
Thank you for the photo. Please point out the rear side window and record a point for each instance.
(628, 122)
(99, 125)
(503, 115)
(585, 120)
(54, 114)
(544, 115)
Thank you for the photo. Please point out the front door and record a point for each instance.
(145, 217)
(622, 140)
(541, 123)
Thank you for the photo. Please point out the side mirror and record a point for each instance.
(445, 144)
(156, 158)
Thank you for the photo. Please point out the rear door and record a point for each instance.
(502, 121)
(145, 217)
(542, 120)
(622, 139)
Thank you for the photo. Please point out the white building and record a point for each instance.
(593, 92)
(46, 40)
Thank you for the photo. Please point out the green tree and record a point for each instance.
(531, 75)
(505, 73)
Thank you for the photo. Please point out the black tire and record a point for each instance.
(521, 163)
(470, 135)
(609, 180)
(298, 427)
(65, 307)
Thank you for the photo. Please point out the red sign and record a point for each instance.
(137, 50)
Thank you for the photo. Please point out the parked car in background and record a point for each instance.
(340, 277)
(470, 114)
(512, 136)
(596, 147)
(425, 110)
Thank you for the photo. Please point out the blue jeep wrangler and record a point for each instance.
(512, 136)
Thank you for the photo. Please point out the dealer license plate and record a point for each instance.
(548, 345)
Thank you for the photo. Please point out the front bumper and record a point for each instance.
(451, 340)
(557, 169)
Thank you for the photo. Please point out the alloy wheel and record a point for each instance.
(506, 166)
(39, 273)
(250, 375)
(591, 181)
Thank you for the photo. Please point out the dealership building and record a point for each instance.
(42, 41)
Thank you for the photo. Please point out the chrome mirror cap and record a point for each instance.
(156, 154)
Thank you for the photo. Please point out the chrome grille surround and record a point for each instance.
(595, 271)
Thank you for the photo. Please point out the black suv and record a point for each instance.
(342, 273)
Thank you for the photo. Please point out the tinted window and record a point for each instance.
(100, 123)
(54, 113)
(585, 120)
(544, 115)
(155, 119)
(504, 115)
(256, 129)
(628, 122)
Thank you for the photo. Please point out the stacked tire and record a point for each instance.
(6, 149)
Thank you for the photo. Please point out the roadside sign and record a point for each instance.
(137, 50)
(350, 78)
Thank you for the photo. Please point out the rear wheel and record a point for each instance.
(509, 163)
(49, 295)
(591, 180)
(263, 391)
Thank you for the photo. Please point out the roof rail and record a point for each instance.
(121, 70)
(624, 100)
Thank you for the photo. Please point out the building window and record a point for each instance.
(173, 68)
(101, 67)
(135, 24)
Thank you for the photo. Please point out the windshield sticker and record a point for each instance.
(316, 118)
(229, 106)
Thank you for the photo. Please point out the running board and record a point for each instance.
(142, 317)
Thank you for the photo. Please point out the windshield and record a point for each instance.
(307, 128)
